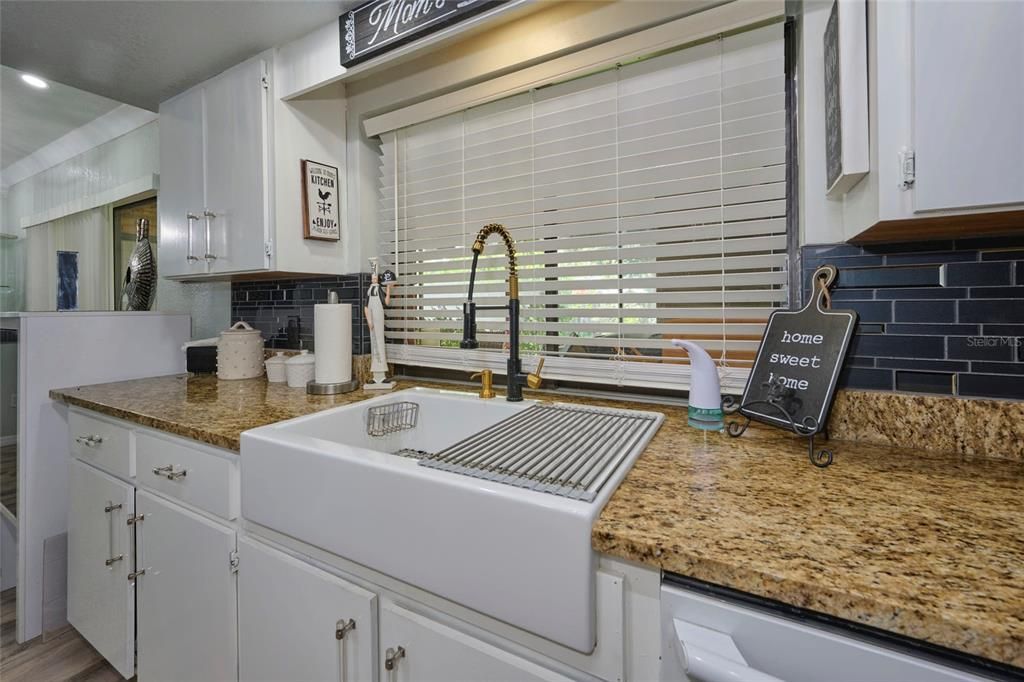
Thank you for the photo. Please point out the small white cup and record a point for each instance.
(300, 369)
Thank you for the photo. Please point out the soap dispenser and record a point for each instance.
(705, 410)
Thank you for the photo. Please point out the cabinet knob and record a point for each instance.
(343, 627)
(169, 473)
(393, 656)
(209, 215)
(191, 218)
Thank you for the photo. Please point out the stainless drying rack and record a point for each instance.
(565, 450)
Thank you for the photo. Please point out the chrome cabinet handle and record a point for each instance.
(191, 217)
(393, 656)
(169, 473)
(109, 509)
(209, 215)
(342, 628)
(90, 441)
(135, 574)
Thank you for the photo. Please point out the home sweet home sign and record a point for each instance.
(382, 25)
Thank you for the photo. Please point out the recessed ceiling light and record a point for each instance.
(34, 81)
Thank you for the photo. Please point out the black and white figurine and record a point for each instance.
(378, 298)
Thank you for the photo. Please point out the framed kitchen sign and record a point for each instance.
(378, 26)
(797, 365)
(321, 215)
(846, 96)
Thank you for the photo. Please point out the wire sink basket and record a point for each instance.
(383, 420)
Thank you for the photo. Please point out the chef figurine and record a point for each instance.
(378, 297)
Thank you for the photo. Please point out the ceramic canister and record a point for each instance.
(276, 368)
(300, 369)
(240, 353)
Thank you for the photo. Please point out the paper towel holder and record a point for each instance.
(314, 388)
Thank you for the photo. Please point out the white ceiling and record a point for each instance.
(142, 52)
(31, 118)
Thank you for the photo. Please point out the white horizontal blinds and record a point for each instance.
(647, 203)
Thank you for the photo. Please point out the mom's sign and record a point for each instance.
(381, 25)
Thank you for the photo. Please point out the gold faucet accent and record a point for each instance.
(486, 383)
(534, 379)
(510, 249)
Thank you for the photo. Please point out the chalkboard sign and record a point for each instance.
(798, 363)
(382, 25)
(833, 101)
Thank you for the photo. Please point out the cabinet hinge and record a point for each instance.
(265, 81)
(233, 560)
(908, 168)
(268, 248)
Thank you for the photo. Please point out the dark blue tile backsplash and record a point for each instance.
(934, 317)
(283, 309)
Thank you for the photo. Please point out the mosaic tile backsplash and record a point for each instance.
(283, 309)
(944, 317)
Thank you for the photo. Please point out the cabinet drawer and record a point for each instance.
(102, 443)
(179, 470)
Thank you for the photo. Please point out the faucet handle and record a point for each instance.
(486, 383)
(534, 380)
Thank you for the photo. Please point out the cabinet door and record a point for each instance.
(237, 164)
(101, 599)
(181, 187)
(968, 104)
(187, 598)
(431, 651)
(289, 614)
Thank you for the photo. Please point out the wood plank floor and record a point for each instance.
(55, 657)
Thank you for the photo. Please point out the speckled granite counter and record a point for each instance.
(929, 546)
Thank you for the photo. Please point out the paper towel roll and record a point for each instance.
(332, 336)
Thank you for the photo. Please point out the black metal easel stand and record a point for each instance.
(808, 428)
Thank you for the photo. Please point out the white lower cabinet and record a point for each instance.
(415, 648)
(297, 622)
(101, 598)
(187, 598)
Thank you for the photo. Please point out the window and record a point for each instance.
(647, 203)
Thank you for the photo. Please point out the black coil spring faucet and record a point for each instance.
(516, 378)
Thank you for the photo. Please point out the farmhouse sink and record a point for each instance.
(393, 483)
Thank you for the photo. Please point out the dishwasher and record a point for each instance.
(711, 637)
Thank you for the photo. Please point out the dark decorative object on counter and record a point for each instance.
(140, 277)
(809, 345)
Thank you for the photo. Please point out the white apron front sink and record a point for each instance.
(515, 554)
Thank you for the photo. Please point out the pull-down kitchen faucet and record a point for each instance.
(516, 378)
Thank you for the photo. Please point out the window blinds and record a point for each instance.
(647, 203)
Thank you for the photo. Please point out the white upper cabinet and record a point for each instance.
(214, 163)
(230, 156)
(237, 215)
(946, 102)
(182, 188)
(968, 90)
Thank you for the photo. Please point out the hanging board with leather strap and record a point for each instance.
(798, 363)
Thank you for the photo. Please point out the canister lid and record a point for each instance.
(277, 359)
(303, 358)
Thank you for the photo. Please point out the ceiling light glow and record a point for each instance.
(34, 81)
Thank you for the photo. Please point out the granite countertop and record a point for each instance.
(925, 545)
